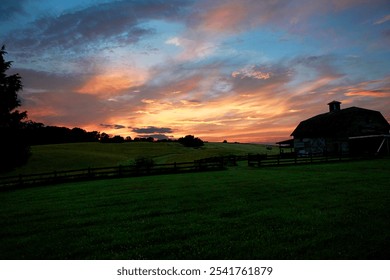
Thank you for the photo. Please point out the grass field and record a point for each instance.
(48, 158)
(322, 211)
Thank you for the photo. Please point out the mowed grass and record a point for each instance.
(59, 157)
(323, 211)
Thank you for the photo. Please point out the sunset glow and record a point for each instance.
(236, 70)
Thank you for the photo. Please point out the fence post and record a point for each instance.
(20, 179)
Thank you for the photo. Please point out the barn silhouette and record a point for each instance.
(351, 130)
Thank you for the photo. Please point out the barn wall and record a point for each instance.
(320, 146)
(337, 146)
(307, 146)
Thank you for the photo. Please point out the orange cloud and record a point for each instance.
(240, 118)
(371, 93)
(42, 112)
(113, 82)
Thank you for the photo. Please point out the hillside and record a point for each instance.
(48, 158)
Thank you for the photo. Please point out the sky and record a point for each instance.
(235, 70)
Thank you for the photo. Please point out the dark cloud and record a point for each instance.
(120, 22)
(325, 65)
(154, 132)
(152, 129)
(314, 60)
(11, 8)
(155, 136)
(113, 126)
(36, 80)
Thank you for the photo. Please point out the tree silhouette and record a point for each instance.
(14, 148)
(191, 141)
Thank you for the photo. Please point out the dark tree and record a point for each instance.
(191, 141)
(104, 138)
(93, 136)
(14, 148)
(117, 139)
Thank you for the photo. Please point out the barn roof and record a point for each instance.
(347, 122)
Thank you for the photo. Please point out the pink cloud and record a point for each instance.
(226, 16)
(382, 20)
(369, 93)
(232, 16)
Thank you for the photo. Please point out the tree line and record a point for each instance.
(39, 134)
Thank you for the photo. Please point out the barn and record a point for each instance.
(342, 131)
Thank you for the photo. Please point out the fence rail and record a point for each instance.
(54, 177)
(207, 164)
(292, 158)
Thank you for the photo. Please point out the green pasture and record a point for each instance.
(49, 158)
(322, 211)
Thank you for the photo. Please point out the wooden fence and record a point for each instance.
(292, 158)
(13, 182)
(207, 164)
(278, 160)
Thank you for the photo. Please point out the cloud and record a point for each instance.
(236, 16)
(154, 132)
(233, 16)
(119, 22)
(371, 88)
(11, 8)
(311, 67)
(155, 136)
(382, 20)
(370, 93)
(193, 46)
(174, 41)
(113, 82)
(63, 108)
(152, 129)
(37, 80)
(223, 16)
(252, 72)
(113, 126)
